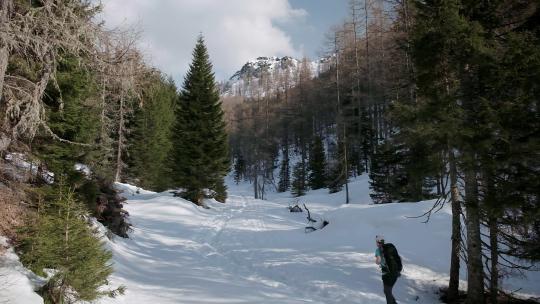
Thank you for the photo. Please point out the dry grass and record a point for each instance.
(12, 210)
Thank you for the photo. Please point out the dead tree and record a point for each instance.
(41, 35)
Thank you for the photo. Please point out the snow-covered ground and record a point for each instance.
(16, 282)
(254, 251)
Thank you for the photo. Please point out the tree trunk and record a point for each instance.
(453, 286)
(475, 270)
(255, 184)
(346, 169)
(120, 140)
(493, 225)
(4, 55)
(494, 244)
(5, 5)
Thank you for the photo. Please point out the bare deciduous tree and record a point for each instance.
(40, 36)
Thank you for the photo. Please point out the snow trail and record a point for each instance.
(254, 251)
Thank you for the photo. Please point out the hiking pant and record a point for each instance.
(388, 282)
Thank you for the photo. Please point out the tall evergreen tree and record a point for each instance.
(73, 115)
(200, 152)
(150, 139)
(317, 165)
(438, 50)
(239, 168)
(385, 174)
(284, 172)
(299, 184)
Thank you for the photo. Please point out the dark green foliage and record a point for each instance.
(220, 191)
(299, 183)
(510, 133)
(317, 165)
(384, 175)
(478, 89)
(401, 172)
(284, 172)
(88, 192)
(72, 115)
(200, 152)
(239, 168)
(59, 238)
(73, 109)
(367, 141)
(150, 139)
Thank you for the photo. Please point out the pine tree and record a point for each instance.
(72, 115)
(200, 152)
(437, 117)
(239, 168)
(60, 238)
(299, 184)
(150, 139)
(383, 174)
(317, 165)
(284, 172)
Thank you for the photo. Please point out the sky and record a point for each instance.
(235, 31)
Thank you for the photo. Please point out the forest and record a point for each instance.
(431, 99)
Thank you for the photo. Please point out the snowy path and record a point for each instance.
(178, 254)
(253, 251)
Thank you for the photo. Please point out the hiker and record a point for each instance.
(387, 257)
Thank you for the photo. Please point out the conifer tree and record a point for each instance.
(317, 164)
(200, 152)
(437, 116)
(72, 115)
(239, 168)
(284, 172)
(150, 139)
(383, 174)
(299, 185)
(59, 238)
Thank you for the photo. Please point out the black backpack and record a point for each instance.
(392, 259)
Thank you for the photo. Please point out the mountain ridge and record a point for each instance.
(264, 75)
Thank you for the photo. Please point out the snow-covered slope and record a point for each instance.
(16, 282)
(270, 74)
(253, 251)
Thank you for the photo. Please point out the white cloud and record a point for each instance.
(235, 30)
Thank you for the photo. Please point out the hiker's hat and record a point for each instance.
(379, 238)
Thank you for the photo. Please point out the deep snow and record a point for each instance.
(16, 282)
(254, 251)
